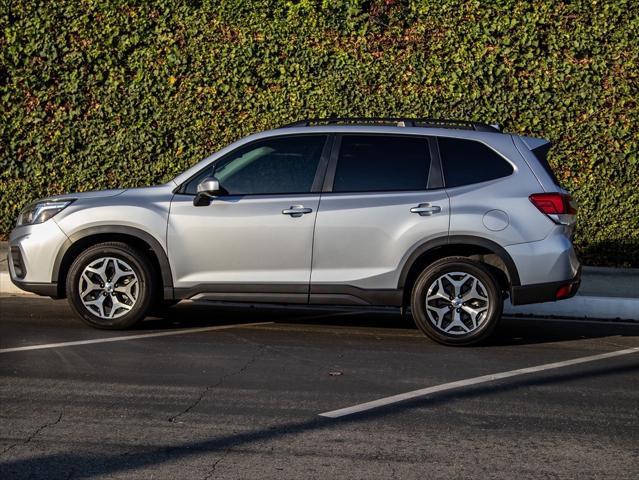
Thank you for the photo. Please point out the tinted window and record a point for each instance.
(467, 161)
(542, 155)
(278, 165)
(381, 163)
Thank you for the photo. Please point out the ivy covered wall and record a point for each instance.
(105, 93)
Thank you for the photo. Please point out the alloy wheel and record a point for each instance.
(109, 287)
(457, 303)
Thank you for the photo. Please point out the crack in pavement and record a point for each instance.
(211, 472)
(33, 435)
(305, 360)
(222, 379)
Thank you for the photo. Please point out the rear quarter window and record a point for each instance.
(465, 162)
(541, 153)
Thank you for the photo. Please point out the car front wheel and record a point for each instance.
(110, 285)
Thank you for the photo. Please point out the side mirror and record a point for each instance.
(210, 187)
(207, 189)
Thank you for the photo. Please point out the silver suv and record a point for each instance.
(448, 218)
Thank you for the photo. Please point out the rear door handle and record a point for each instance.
(426, 209)
(296, 210)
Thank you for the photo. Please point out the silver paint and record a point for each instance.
(354, 239)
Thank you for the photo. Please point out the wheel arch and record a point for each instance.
(136, 237)
(485, 251)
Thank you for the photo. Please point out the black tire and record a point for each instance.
(141, 266)
(486, 321)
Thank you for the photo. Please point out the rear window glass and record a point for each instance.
(466, 161)
(381, 163)
(542, 156)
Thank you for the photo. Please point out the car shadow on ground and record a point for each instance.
(510, 331)
(78, 465)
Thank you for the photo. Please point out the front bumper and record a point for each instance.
(32, 253)
(44, 289)
(546, 292)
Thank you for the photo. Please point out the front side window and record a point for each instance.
(270, 166)
(382, 163)
(466, 161)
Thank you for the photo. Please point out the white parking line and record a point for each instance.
(130, 337)
(382, 402)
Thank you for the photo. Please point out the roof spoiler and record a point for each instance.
(533, 143)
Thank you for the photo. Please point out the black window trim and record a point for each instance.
(435, 179)
(318, 180)
(512, 165)
(541, 154)
(436, 172)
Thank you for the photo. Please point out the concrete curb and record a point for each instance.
(591, 307)
(7, 287)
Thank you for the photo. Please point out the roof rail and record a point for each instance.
(400, 121)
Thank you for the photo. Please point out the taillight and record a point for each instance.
(560, 207)
(564, 291)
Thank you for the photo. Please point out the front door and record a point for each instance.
(254, 241)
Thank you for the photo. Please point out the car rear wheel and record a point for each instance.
(110, 285)
(456, 301)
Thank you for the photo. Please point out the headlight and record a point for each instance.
(41, 211)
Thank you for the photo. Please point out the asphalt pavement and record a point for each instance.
(221, 392)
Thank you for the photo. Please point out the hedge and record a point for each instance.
(103, 93)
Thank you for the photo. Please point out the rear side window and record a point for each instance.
(542, 157)
(378, 163)
(466, 161)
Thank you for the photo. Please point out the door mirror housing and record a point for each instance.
(207, 189)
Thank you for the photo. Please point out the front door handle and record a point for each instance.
(296, 210)
(426, 209)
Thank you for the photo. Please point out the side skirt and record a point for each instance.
(326, 294)
(349, 295)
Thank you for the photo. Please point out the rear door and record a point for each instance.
(382, 199)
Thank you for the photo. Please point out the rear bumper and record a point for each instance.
(545, 292)
(552, 259)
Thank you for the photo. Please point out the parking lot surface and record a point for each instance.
(220, 392)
